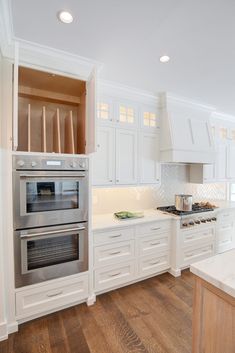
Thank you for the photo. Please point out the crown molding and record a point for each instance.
(173, 98)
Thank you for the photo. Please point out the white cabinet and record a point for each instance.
(202, 173)
(150, 169)
(231, 161)
(149, 117)
(225, 233)
(221, 162)
(126, 114)
(126, 157)
(103, 159)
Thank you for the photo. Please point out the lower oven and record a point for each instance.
(50, 252)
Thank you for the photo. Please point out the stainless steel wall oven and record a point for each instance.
(50, 198)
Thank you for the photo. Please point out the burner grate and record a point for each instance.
(196, 208)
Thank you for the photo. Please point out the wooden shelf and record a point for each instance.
(56, 132)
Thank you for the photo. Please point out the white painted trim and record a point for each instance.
(6, 28)
(13, 327)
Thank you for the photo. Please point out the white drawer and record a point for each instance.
(149, 265)
(41, 298)
(152, 243)
(153, 227)
(109, 236)
(192, 237)
(114, 253)
(226, 216)
(192, 255)
(109, 277)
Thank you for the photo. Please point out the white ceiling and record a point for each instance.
(128, 36)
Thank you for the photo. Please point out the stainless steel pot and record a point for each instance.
(183, 202)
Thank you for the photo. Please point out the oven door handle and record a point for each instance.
(52, 176)
(24, 236)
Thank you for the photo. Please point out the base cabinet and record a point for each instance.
(128, 254)
(44, 297)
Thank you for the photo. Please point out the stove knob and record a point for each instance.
(185, 224)
(191, 223)
(203, 220)
(73, 165)
(82, 164)
(214, 219)
(33, 164)
(208, 220)
(197, 221)
(20, 163)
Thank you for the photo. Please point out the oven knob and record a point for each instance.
(191, 223)
(203, 220)
(20, 163)
(214, 219)
(185, 224)
(33, 164)
(82, 164)
(73, 165)
(197, 221)
(208, 220)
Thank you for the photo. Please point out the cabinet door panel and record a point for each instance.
(221, 162)
(103, 159)
(231, 161)
(126, 157)
(150, 170)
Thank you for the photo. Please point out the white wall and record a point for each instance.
(175, 179)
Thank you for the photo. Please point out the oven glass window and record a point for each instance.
(47, 196)
(52, 251)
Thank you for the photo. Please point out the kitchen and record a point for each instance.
(77, 147)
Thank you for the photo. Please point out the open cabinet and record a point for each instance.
(55, 113)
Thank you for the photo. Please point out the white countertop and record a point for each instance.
(218, 270)
(108, 220)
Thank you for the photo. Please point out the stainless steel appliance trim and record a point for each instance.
(71, 176)
(22, 236)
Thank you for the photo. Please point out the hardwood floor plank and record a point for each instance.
(152, 316)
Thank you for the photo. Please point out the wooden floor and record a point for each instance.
(151, 316)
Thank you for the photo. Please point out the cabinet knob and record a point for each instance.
(98, 146)
(117, 181)
(110, 181)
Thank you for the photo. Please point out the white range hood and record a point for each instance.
(185, 132)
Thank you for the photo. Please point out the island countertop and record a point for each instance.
(218, 270)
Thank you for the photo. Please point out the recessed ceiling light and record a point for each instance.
(65, 16)
(164, 59)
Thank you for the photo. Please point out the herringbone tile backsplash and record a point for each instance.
(175, 180)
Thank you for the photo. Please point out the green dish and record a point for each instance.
(128, 215)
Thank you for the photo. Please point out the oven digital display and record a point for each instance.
(55, 163)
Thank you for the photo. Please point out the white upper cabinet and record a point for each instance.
(105, 113)
(150, 169)
(149, 117)
(126, 157)
(231, 160)
(126, 114)
(103, 162)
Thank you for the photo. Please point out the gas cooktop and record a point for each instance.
(196, 208)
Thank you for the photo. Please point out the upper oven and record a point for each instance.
(49, 196)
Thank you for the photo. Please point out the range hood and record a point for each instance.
(185, 132)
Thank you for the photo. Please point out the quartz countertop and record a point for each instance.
(218, 270)
(104, 221)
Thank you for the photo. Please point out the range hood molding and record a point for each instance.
(185, 132)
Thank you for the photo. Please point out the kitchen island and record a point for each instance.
(214, 304)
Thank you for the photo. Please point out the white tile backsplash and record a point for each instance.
(175, 180)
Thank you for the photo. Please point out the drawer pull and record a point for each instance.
(115, 236)
(205, 250)
(157, 228)
(190, 255)
(156, 243)
(191, 237)
(54, 294)
(115, 274)
(115, 253)
(155, 262)
(225, 241)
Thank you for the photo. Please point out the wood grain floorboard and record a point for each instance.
(152, 316)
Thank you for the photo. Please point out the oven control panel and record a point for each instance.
(24, 162)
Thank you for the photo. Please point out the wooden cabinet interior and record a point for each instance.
(51, 113)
